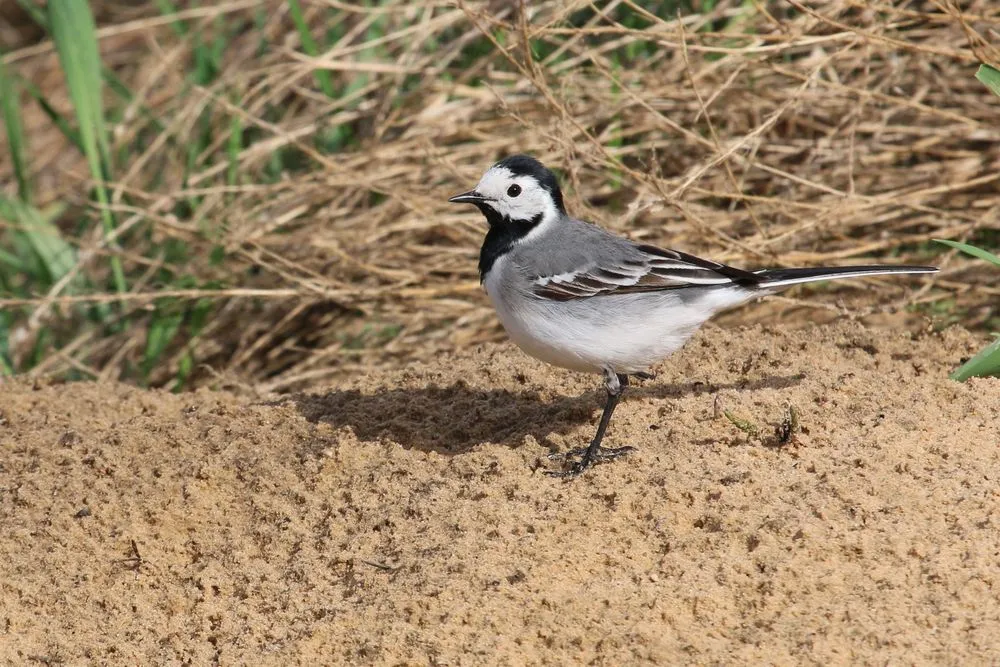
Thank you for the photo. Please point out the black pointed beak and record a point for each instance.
(470, 197)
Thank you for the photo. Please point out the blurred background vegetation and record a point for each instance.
(253, 193)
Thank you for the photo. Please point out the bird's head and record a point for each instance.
(519, 189)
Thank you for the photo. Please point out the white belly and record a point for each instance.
(625, 333)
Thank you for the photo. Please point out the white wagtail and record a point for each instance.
(575, 295)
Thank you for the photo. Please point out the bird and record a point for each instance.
(575, 295)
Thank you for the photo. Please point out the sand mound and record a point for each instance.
(404, 517)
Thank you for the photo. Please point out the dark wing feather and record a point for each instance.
(646, 269)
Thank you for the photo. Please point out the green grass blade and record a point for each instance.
(118, 87)
(323, 78)
(68, 130)
(37, 353)
(184, 368)
(168, 8)
(12, 263)
(233, 148)
(164, 326)
(985, 363)
(55, 254)
(37, 15)
(971, 250)
(33, 10)
(11, 110)
(75, 37)
(6, 367)
(990, 76)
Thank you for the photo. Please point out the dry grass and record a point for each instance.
(762, 133)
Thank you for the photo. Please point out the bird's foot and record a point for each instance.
(600, 455)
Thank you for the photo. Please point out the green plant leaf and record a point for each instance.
(163, 327)
(12, 262)
(11, 108)
(985, 363)
(990, 76)
(6, 365)
(184, 367)
(75, 37)
(33, 10)
(323, 77)
(37, 14)
(68, 131)
(37, 353)
(168, 8)
(971, 250)
(56, 255)
(233, 148)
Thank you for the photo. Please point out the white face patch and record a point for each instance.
(532, 200)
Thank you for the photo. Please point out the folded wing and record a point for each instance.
(645, 269)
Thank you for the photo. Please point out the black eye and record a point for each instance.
(514, 190)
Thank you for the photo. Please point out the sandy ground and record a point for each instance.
(405, 518)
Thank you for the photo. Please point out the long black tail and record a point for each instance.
(771, 278)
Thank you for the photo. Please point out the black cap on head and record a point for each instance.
(525, 165)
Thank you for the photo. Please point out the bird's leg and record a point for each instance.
(594, 453)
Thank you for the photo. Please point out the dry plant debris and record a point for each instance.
(314, 229)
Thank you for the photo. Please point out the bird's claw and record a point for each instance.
(600, 455)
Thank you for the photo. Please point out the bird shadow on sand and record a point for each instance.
(456, 418)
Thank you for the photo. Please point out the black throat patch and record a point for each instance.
(501, 237)
(504, 232)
